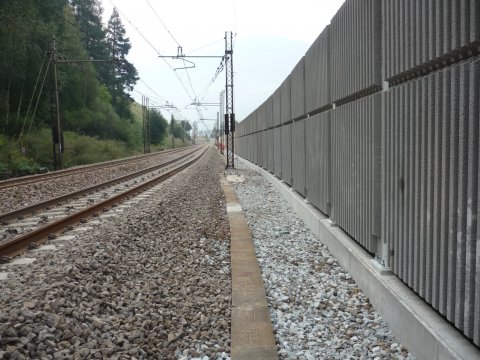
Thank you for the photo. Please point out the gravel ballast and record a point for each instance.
(14, 198)
(152, 282)
(317, 310)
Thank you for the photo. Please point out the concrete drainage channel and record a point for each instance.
(251, 331)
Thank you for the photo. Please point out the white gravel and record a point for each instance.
(317, 310)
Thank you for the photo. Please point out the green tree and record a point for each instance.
(24, 37)
(186, 125)
(88, 15)
(123, 75)
(158, 126)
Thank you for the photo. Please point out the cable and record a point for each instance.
(205, 46)
(190, 80)
(164, 26)
(153, 91)
(160, 55)
(38, 100)
(154, 49)
(178, 44)
(219, 70)
(33, 95)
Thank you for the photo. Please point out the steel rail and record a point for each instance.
(16, 245)
(30, 179)
(32, 208)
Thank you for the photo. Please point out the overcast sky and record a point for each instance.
(271, 37)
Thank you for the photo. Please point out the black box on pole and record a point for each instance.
(227, 127)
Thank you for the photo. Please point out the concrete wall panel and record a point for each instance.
(286, 132)
(298, 157)
(277, 151)
(261, 116)
(269, 112)
(318, 161)
(355, 161)
(431, 190)
(355, 49)
(258, 137)
(270, 163)
(285, 99)
(298, 89)
(317, 73)
(421, 34)
(276, 108)
(265, 149)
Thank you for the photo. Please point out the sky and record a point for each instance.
(270, 37)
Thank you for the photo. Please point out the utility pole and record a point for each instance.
(57, 134)
(228, 124)
(229, 112)
(146, 124)
(55, 110)
(222, 126)
(217, 134)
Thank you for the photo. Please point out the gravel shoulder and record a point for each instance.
(317, 310)
(152, 282)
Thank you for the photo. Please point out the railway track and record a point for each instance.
(34, 224)
(4, 184)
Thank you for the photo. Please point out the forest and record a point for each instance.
(60, 49)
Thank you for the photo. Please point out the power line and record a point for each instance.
(207, 45)
(159, 19)
(192, 99)
(33, 94)
(38, 99)
(149, 87)
(178, 44)
(158, 53)
(152, 46)
(219, 70)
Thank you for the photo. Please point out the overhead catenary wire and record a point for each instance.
(219, 70)
(152, 46)
(150, 88)
(185, 67)
(176, 41)
(207, 45)
(164, 26)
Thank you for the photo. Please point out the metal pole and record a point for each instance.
(55, 107)
(148, 125)
(222, 126)
(217, 137)
(144, 124)
(229, 111)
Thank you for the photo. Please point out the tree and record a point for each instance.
(23, 41)
(158, 126)
(123, 75)
(186, 125)
(88, 15)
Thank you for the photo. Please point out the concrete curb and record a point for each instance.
(251, 331)
(426, 334)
